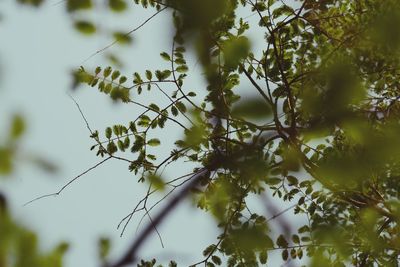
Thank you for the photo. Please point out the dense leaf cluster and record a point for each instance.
(317, 127)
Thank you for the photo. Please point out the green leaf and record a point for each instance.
(162, 75)
(115, 74)
(182, 69)
(108, 88)
(304, 229)
(273, 181)
(144, 121)
(120, 94)
(122, 79)
(97, 70)
(107, 71)
(117, 5)
(104, 246)
(165, 56)
(75, 5)
(5, 161)
(153, 142)
(136, 78)
(156, 181)
(208, 250)
(181, 106)
(121, 146)
(149, 75)
(252, 108)
(263, 257)
(122, 38)
(154, 107)
(17, 127)
(85, 27)
(292, 180)
(296, 239)
(283, 10)
(34, 3)
(174, 111)
(285, 254)
(281, 242)
(216, 260)
(235, 50)
(111, 147)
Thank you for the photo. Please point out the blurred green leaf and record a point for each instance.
(35, 3)
(153, 142)
(117, 5)
(235, 50)
(75, 5)
(17, 127)
(104, 246)
(122, 37)
(156, 181)
(5, 161)
(85, 27)
(251, 108)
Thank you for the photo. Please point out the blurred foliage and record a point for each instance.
(19, 246)
(35, 3)
(324, 91)
(8, 150)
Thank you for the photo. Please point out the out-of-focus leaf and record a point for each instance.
(75, 5)
(45, 164)
(252, 108)
(104, 246)
(156, 181)
(17, 127)
(85, 27)
(34, 3)
(200, 13)
(252, 240)
(5, 161)
(153, 142)
(235, 50)
(117, 5)
(122, 37)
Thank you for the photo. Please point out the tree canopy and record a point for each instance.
(309, 122)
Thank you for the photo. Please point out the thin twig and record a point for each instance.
(81, 112)
(127, 34)
(67, 184)
(130, 255)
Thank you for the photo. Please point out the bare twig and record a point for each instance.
(67, 184)
(130, 256)
(127, 34)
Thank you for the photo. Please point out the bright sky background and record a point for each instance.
(38, 49)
